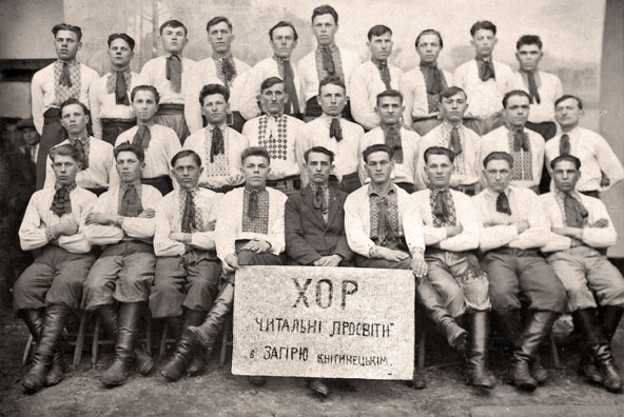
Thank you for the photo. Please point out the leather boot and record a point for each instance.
(527, 347)
(117, 373)
(34, 322)
(540, 374)
(476, 357)
(430, 300)
(109, 318)
(54, 322)
(206, 334)
(198, 363)
(182, 356)
(610, 317)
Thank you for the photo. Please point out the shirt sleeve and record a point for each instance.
(599, 237)
(468, 239)
(95, 107)
(358, 96)
(226, 226)
(32, 232)
(358, 240)
(36, 95)
(99, 234)
(276, 234)
(163, 245)
(608, 162)
(79, 243)
(206, 240)
(556, 242)
(539, 226)
(413, 226)
(142, 228)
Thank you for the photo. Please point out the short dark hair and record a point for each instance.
(71, 101)
(144, 87)
(569, 96)
(529, 40)
(284, 24)
(183, 154)
(270, 82)
(429, 32)
(438, 150)
(325, 9)
(332, 80)
(319, 149)
(123, 36)
(515, 93)
(129, 147)
(483, 24)
(216, 20)
(566, 157)
(379, 147)
(498, 156)
(210, 89)
(66, 26)
(378, 30)
(389, 93)
(255, 151)
(173, 23)
(66, 149)
(450, 92)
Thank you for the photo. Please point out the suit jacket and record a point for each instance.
(308, 237)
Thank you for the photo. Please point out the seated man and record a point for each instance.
(581, 230)
(44, 294)
(122, 222)
(187, 269)
(251, 235)
(515, 226)
(451, 231)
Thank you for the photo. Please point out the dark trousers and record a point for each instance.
(162, 184)
(53, 134)
(349, 183)
(111, 128)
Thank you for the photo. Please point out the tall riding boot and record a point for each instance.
(610, 317)
(117, 373)
(198, 363)
(207, 333)
(54, 322)
(430, 300)
(527, 347)
(181, 358)
(34, 321)
(476, 357)
(587, 322)
(109, 318)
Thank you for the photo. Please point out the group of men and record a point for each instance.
(204, 168)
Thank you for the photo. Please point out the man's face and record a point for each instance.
(379, 167)
(65, 169)
(283, 42)
(429, 48)
(30, 136)
(187, 172)
(483, 42)
(517, 111)
(220, 37)
(439, 169)
(319, 167)
(565, 175)
(529, 57)
(324, 29)
(273, 99)
(74, 119)
(173, 39)
(128, 167)
(255, 170)
(497, 175)
(215, 108)
(453, 108)
(144, 105)
(332, 99)
(120, 53)
(568, 113)
(389, 110)
(67, 45)
(381, 46)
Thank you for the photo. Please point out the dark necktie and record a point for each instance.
(217, 146)
(174, 72)
(502, 204)
(564, 145)
(84, 158)
(130, 202)
(393, 139)
(319, 200)
(61, 203)
(142, 137)
(435, 83)
(328, 61)
(121, 89)
(455, 143)
(384, 72)
(292, 105)
(521, 140)
(335, 130)
(188, 217)
(575, 212)
(253, 210)
(486, 69)
(228, 70)
(440, 208)
(533, 93)
(65, 79)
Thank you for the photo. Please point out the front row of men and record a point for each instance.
(187, 276)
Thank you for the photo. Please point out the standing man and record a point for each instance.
(187, 269)
(109, 97)
(581, 230)
(601, 167)
(453, 135)
(96, 160)
(283, 37)
(422, 86)
(118, 285)
(525, 146)
(484, 80)
(373, 77)
(327, 60)
(47, 290)
(230, 71)
(177, 81)
(336, 134)
(159, 143)
(218, 145)
(514, 228)
(63, 79)
(279, 134)
(403, 142)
